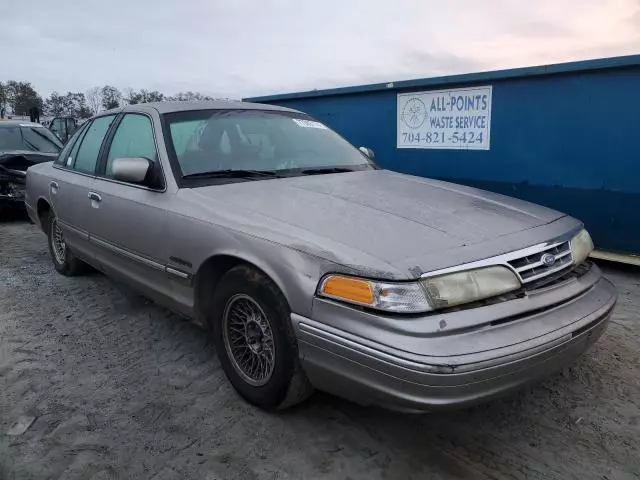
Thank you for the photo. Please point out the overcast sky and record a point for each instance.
(241, 48)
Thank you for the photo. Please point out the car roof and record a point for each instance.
(168, 107)
(18, 123)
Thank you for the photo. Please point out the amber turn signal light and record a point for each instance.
(348, 289)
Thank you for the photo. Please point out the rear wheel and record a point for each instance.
(64, 261)
(255, 342)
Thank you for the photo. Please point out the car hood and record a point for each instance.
(398, 219)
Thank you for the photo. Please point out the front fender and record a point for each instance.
(295, 272)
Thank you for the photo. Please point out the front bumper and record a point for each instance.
(419, 370)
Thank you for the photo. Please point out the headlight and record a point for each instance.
(468, 286)
(424, 295)
(581, 247)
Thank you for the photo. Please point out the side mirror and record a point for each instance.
(368, 152)
(131, 170)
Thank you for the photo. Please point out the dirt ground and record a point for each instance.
(121, 388)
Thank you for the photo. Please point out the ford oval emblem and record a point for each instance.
(548, 259)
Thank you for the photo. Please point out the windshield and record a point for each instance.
(37, 139)
(221, 140)
(11, 139)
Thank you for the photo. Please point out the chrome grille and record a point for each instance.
(531, 267)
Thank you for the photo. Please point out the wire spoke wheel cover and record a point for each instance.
(57, 241)
(248, 339)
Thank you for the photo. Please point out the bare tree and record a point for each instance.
(94, 99)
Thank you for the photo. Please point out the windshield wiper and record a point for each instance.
(321, 171)
(233, 174)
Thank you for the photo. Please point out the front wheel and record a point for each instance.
(255, 342)
(64, 261)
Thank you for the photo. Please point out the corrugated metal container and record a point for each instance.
(566, 135)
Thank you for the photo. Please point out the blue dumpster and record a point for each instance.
(565, 135)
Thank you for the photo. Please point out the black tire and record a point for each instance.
(287, 384)
(69, 265)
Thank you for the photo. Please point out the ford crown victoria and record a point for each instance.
(311, 266)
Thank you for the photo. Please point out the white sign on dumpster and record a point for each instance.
(449, 119)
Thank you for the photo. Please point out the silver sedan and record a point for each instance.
(311, 266)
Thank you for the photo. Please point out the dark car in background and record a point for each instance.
(22, 144)
(63, 127)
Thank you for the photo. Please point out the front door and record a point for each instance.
(129, 225)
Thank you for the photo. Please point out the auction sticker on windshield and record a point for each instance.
(447, 119)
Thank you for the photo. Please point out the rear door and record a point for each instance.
(75, 175)
(129, 222)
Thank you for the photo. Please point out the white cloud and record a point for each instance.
(248, 47)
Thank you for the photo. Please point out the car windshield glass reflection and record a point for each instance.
(211, 141)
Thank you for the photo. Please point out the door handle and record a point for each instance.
(53, 186)
(95, 199)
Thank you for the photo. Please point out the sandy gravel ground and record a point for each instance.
(120, 388)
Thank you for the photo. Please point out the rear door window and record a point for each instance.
(65, 154)
(86, 158)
